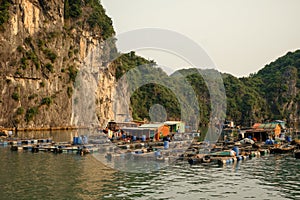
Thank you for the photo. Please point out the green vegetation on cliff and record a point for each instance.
(4, 11)
(279, 84)
(94, 15)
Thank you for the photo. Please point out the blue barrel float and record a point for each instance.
(75, 140)
(166, 144)
(236, 150)
(85, 139)
(157, 153)
(80, 140)
(143, 138)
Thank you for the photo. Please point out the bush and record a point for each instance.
(98, 18)
(30, 55)
(32, 96)
(52, 34)
(49, 67)
(46, 101)
(72, 9)
(20, 49)
(4, 12)
(72, 73)
(30, 113)
(23, 63)
(42, 84)
(20, 111)
(28, 40)
(76, 51)
(70, 53)
(16, 96)
(70, 92)
(50, 55)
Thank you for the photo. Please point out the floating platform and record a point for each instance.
(47, 145)
(224, 158)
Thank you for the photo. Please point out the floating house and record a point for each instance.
(176, 126)
(263, 131)
(229, 134)
(150, 131)
(115, 126)
(138, 132)
(159, 130)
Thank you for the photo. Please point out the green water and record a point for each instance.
(26, 175)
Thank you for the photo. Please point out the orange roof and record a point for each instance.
(256, 125)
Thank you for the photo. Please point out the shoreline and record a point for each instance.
(46, 128)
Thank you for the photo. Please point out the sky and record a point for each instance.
(240, 36)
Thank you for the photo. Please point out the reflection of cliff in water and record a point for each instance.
(57, 136)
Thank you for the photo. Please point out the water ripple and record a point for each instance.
(48, 176)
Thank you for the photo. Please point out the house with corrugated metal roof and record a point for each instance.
(263, 131)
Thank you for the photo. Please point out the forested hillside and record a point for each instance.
(279, 84)
(272, 93)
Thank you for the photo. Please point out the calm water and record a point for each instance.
(25, 175)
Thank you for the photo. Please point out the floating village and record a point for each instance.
(167, 142)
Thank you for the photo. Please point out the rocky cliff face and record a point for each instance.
(290, 101)
(41, 53)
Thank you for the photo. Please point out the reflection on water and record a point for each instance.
(55, 135)
(26, 175)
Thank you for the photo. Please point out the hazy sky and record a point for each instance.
(239, 36)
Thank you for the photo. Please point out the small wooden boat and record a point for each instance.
(14, 148)
(196, 159)
(206, 159)
(282, 149)
(297, 153)
(263, 151)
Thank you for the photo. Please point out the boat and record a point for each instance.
(297, 153)
(263, 151)
(282, 149)
(196, 159)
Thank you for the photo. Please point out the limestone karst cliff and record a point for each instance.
(44, 45)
